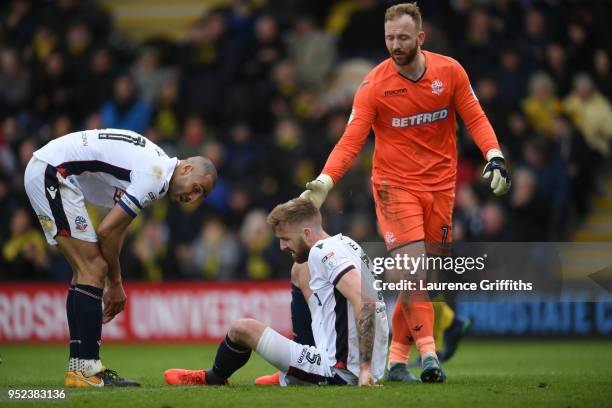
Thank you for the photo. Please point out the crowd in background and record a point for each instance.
(265, 92)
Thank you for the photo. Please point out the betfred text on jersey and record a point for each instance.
(420, 118)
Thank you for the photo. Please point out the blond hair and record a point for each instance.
(399, 10)
(293, 212)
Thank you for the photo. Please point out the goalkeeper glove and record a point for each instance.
(317, 189)
(500, 182)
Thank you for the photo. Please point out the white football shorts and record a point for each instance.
(58, 203)
(300, 364)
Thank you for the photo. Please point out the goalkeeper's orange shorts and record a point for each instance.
(406, 216)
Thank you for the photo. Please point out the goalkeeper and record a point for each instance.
(410, 101)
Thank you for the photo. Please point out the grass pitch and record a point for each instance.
(484, 373)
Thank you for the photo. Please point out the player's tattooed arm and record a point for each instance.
(365, 314)
(366, 331)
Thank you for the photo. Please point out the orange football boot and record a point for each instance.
(272, 379)
(180, 376)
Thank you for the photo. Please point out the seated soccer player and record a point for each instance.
(348, 350)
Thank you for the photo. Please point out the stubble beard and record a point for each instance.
(406, 59)
(301, 254)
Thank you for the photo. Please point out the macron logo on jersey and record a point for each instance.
(420, 118)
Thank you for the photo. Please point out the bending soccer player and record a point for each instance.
(410, 100)
(112, 168)
(349, 321)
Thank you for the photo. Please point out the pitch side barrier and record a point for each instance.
(155, 312)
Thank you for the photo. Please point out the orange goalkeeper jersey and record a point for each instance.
(414, 125)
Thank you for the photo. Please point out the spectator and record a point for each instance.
(54, 87)
(583, 163)
(15, 82)
(24, 251)
(529, 214)
(97, 84)
(195, 134)
(149, 76)
(312, 51)
(536, 35)
(265, 51)
(542, 105)
(125, 110)
(149, 251)
(363, 34)
(78, 47)
(167, 116)
(602, 74)
(552, 185)
(493, 224)
(557, 68)
(261, 258)
(477, 52)
(512, 78)
(591, 113)
(19, 24)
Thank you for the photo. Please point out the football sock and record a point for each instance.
(87, 301)
(401, 339)
(230, 357)
(90, 367)
(73, 363)
(420, 318)
(300, 318)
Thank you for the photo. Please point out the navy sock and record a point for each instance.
(230, 357)
(88, 316)
(300, 318)
(72, 325)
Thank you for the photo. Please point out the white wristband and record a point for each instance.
(327, 180)
(494, 153)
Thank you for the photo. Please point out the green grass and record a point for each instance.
(484, 373)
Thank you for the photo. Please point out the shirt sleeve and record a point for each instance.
(329, 262)
(356, 131)
(467, 105)
(142, 191)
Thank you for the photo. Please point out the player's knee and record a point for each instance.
(241, 330)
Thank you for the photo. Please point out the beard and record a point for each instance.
(405, 58)
(300, 255)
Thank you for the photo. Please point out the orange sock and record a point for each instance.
(420, 319)
(401, 340)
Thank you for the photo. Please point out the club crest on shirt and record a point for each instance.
(80, 223)
(437, 87)
(389, 237)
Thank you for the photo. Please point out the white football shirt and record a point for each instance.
(112, 166)
(333, 316)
